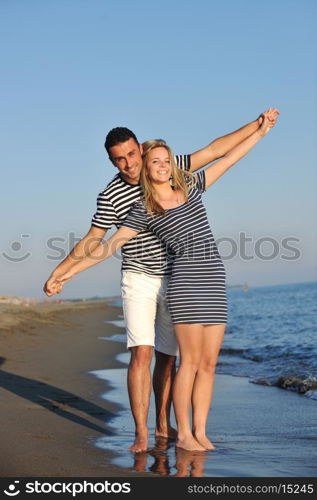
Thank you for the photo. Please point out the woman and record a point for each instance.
(196, 291)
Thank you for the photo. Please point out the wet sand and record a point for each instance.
(258, 431)
(51, 408)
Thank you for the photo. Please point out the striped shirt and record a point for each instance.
(145, 253)
(196, 291)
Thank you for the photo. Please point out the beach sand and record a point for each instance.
(53, 411)
(51, 408)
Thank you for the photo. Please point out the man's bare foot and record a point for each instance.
(204, 441)
(189, 443)
(140, 443)
(167, 433)
(161, 444)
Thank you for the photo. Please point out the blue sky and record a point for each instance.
(184, 71)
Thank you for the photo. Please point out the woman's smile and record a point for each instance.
(158, 164)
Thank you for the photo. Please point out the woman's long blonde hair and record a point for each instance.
(180, 179)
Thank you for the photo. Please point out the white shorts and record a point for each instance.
(146, 315)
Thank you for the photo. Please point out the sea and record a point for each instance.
(270, 340)
(271, 336)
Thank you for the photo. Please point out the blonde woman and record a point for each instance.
(196, 293)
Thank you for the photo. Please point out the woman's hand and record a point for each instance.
(53, 288)
(218, 168)
(269, 120)
(64, 278)
(50, 287)
(275, 113)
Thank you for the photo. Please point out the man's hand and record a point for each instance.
(275, 113)
(83, 248)
(268, 120)
(52, 287)
(55, 284)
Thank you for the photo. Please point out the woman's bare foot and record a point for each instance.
(189, 443)
(140, 443)
(140, 461)
(204, 441)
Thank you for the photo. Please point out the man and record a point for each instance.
(145, 269)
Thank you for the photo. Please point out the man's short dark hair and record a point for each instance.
(117, 135)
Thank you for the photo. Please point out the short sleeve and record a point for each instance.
(137, 218)
(105, 216)
(201, 181)
(183, 162)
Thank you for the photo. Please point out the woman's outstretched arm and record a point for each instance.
(102, 252)
(217, 169)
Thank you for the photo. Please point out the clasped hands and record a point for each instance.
(54, 285)
(267, 120)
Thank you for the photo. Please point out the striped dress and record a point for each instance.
(196, 292)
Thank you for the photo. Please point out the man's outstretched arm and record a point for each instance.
(221, 146)
(81, 250)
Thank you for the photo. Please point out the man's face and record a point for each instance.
(127, 157)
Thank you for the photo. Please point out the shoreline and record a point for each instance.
(258, 431)
(52, 411)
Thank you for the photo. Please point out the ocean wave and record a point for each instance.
(307, 386)
(311, 394)
(299, 354)
(233, 351)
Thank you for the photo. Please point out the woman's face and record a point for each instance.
(158, 165)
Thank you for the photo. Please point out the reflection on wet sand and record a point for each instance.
(190, 463)
(187, 463)
(161, 464)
